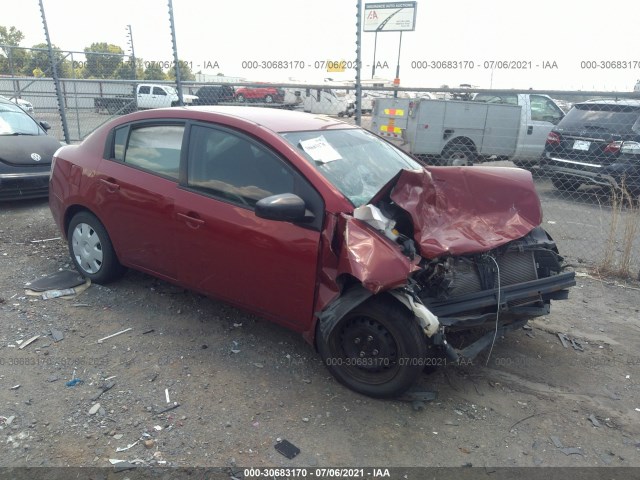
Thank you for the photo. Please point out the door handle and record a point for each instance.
(112, 187)
(193, 222)
(529, 129)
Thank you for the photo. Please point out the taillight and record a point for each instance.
(613, 147)
(553, 139)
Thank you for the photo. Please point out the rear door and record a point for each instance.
(225, 250)
(135, 191)
(144, 96)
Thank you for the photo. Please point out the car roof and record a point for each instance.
(276, 119)
(608, 101)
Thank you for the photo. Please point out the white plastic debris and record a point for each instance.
(372, 215)
(428, 321)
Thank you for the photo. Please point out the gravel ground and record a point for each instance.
(241, 383)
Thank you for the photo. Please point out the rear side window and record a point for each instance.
(508, 98)
(603, 117)
(155, 148)
(144, 89)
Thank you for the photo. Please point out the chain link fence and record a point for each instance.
(583, 148)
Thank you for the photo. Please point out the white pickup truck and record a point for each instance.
(492, 126)
(148, 95)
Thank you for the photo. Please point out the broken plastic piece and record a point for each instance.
(74, 382)
(287, 449)
(115, 334)
(371, 215)
(428, 321)
(31, 340)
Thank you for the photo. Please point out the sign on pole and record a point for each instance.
(390, 17)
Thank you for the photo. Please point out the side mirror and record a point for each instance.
(284, 207)
(45, 125)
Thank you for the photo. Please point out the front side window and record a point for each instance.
(543, 109)
(155, 148)
(234, 168)
(159, 91)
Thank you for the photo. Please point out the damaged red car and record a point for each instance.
(380, 263)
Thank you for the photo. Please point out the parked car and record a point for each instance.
(26, 106)
(596, 143)
(214, 94)
(259, 94)
(25, 153)
(314, 224)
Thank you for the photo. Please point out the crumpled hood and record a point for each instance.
(465, 210)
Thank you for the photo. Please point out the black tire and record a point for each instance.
(240, 98)
(458, 155)
(91, 249)
(565, 184)
(268, 99)
(383, 340)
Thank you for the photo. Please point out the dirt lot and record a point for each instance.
(242, 383)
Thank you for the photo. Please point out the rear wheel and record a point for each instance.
(91, 249)
(376, 349)
(565, 184)
(268, 99)
(458, 156)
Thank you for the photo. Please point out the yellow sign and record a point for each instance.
(336, 65)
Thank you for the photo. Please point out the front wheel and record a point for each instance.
(91, 249)
(376, 349)
(240, 98)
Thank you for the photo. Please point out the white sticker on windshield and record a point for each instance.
(320, 150)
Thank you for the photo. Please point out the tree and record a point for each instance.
(185, 71)
(13, 58)
(39, 59)
(104, 62)
(154, 72)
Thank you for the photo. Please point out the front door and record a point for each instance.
(224, 249)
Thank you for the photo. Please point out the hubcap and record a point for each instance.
(87, 248)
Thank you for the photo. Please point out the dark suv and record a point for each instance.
(214, 94)
(596, 143)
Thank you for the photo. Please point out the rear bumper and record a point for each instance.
(15, 186)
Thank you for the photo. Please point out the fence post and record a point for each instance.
(358, 113)
(176, 63)
(56, 80)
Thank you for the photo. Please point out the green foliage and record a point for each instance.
(154, 72)
(103, 60)
(185, 72)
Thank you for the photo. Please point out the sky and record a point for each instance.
(546, 44)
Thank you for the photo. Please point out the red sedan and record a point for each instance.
(316, 225)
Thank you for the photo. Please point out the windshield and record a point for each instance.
(14, 121)
(355, 161)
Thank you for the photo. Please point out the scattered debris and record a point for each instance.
(15, 387)
(74, 382)
(577, 345)
(149, 443)
(94, 409)
(31, 340)
(556, 441)
(103, 388)
(131, 445)
(46, 240)
(572, 451)
(175, 405)
(235, 348)
(115, 334)
(287, 449)
(57, 335)
(149, 331)
(592, 418)
(563, 338)
(166, 394)
(425, 396)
